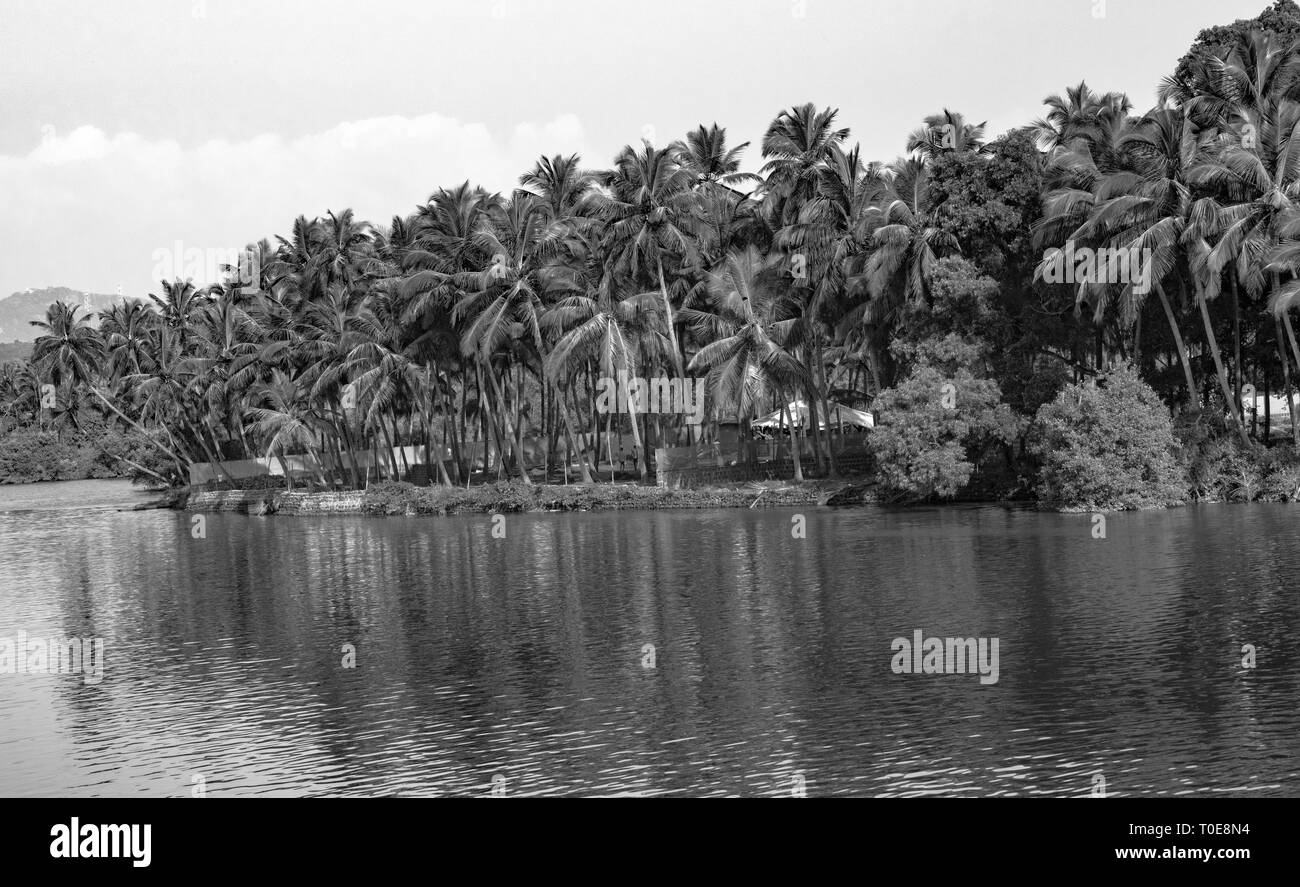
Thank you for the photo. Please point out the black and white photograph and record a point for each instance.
(526, 399)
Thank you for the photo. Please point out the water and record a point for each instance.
(518, 663)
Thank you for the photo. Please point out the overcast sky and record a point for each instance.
(128, 126)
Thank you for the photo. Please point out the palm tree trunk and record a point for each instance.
(351, 444)
(390, 445)
(1236, 339)
(636, 440)
(1193, 396)
(575, 444)
(1286, 382)
(489, 420)
(284, 466)
(609, 443)
(455, 437)
(320, 463)
(822, 387)
(1137, 342)
(136, 465)
(811, 394)
(546, 427)
(136, 425)
(668, 316)
(197, 435)
(505, 418)
(406, 465)
(443, 477)
(794, 439)
(1218, 367)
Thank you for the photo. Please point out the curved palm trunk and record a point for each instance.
(505, 418)
(1286, 383)
(1219, 369)
(284, 466)
(316, 457)
(1235, 305)
(388, 445)
(426, 422)
(136, 465)
(344, 434)
(1193, 396)
(1295, 352)
(397, 437)
(573, 440)
(668, 316)
(213, 458)
(136, 425)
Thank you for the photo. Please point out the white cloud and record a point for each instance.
(88, 210)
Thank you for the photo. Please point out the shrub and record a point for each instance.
(928, 436)
(1220, 468)
(1107, 445)
(28, 455)
(1280, 472)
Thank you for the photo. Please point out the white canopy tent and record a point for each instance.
(840, 416)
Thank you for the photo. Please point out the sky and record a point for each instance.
(140, 137)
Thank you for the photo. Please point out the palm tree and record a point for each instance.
(1251, 169)
(344, 245)
(177, 306)
(743, 360)
(597, 328)
(649, 212)
(1147, 208)
(797, 145)
(126, 331)
(560, 183)
(70, 350)
(704, 154)
(281, 413)
(1080, 114)
(905, 243)
(944, 132)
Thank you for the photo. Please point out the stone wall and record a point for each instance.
(275, 502)
(345, 501)
(241, 501)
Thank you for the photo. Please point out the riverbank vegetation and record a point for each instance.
(470, 334)
(501, 498)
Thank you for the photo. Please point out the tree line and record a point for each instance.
(482, 322)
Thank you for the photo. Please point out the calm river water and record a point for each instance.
(521, 665)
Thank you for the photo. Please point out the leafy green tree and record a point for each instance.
(938, 423)
(1107, 445)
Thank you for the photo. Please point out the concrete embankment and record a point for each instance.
(276, 502)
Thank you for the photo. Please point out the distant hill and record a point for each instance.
(17, 311)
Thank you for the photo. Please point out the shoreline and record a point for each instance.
(390, 499)
(396, 500)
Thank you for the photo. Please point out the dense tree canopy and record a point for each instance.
(478, 327)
